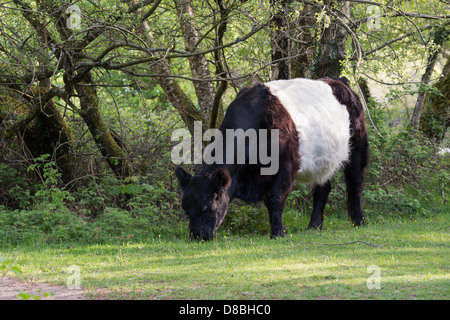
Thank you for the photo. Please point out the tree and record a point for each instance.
(332, 45)
(435, 118)
(67, 60)
(56, 51)
(59, 61)
(439, 38)
(281, 68)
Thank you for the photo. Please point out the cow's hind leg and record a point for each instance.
(354, 178)
(320, 197)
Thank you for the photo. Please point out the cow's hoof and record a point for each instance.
(278, 234)
(277, 231)
(315, 226)
(359, 223)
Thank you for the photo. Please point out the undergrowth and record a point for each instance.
(407, 176)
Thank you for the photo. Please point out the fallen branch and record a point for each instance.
(344, 244)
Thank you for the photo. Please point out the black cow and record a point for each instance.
(321, 127)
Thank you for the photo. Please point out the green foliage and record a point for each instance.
(14, 190)
(246, 218)
(8, 265)
(23, 295)
(392, 202)
(108, 210)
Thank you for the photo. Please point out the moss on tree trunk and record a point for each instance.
(111, 151)
(435, 118)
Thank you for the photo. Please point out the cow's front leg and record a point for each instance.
(320, 197)
(275, 206)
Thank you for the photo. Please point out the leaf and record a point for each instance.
(132, 189)
(23, 295)
(132, 179)
(17, 271)
(148, 187)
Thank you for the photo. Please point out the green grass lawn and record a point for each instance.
(412, 257)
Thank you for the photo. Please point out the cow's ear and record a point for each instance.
(221, 178)
(183, 177)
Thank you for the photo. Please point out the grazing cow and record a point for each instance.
(321, 127)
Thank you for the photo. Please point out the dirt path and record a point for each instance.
(11, 287)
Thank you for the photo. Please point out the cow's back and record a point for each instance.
(322, 124)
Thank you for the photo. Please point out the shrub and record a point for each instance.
(104, 210)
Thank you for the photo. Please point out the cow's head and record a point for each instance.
(205, 200)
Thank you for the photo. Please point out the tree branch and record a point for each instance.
(219, 62)
(409, 34)
(37, 105)
(87, 66)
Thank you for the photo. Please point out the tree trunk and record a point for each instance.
(198, 63)
(42, 128)
(440, 36)
(113, 154)
(49, 134)
(61, 141)
(280, 40)
(217, 112)
(186, 109)
(181, 102)
(332, 46)
(435, 118)
(303, 49)
(61, 138)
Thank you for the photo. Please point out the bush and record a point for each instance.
(246, 218)
(14, 190)
(103, 211)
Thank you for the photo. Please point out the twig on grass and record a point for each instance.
(347, 243)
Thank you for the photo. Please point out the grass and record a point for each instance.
(412, 256)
